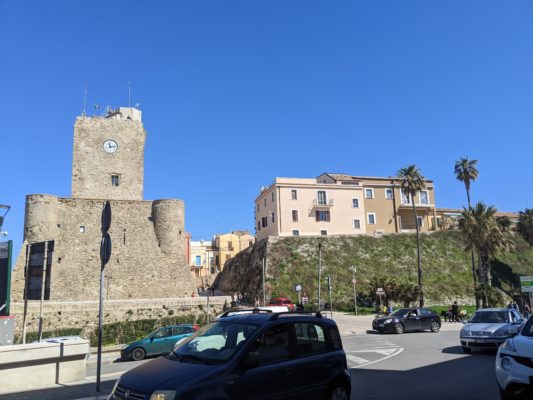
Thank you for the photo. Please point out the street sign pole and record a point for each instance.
(105, 255)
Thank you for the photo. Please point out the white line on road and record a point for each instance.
(381, 359)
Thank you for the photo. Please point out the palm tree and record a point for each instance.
(525, 225)
(412, 181)
(482, 233)
(466, 171)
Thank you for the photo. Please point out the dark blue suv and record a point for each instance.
(250, 355)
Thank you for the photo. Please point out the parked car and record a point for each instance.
(514, 365)
(158, 342)
(283, 301)
(259, 355)
(407, 320)
(488, 328)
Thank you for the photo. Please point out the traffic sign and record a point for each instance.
(298, 288)
(526, 284)
(105, 249)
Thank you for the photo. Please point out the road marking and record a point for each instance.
(381, 359)
(363, 349)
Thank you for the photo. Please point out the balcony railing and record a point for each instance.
(322, 203)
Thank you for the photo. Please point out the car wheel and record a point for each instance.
(506, 395)
(399, 328)
(435, 327)
(339, 392)
(467, 350)
(137, 354)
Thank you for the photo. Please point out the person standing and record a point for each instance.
(455, 312)
(527, 311)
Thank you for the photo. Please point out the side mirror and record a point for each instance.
(513, 330)
(411, 315)
(251, 360)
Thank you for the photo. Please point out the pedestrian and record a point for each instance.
(257, 301)
(512, 305)
(527, 311)
(448, 315)
(455, 312)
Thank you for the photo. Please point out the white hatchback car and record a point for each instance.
(514, 364)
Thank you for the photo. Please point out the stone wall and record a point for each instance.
(148, 256)
(84, 314)
(92, 167)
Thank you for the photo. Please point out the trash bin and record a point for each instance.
(7, 330)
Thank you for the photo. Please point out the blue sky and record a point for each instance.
(235, 93)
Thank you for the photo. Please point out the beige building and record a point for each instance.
(339, 204)
(229, 244)
(203, 256)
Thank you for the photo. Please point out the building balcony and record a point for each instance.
(322, 204)
(417, 205)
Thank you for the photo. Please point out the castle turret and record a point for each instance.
(169, 224)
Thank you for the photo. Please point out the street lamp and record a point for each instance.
(4, 209)
(319, 271)
(354, 270)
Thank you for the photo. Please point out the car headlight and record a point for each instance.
(506, 364)
(465, 332)
(508, 345)
(163, 395)
(387, 321)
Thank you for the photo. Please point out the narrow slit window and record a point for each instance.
(115, 180)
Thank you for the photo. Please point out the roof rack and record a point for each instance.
(317, 314)
(244, 311)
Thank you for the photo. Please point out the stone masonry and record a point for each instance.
(148, 254)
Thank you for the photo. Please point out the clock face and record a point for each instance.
(110, 146)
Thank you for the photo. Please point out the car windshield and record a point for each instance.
(401, 312)
(216, 342)
(490, 317)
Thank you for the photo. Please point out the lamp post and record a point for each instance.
(354, 270)
(4, 209)
(319, 271)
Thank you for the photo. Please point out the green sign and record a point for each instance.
(526, 284)
(5, 276)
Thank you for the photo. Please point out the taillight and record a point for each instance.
(196, 327)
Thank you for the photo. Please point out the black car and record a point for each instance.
(247, 355)
(408, 319)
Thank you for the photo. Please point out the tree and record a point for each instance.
(412, 181)
(525, 225)
(483, 234)
(466, 171)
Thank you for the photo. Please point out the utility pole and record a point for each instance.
(330, 298)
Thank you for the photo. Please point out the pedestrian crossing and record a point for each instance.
(362, 349)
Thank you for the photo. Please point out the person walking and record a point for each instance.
(527, 311)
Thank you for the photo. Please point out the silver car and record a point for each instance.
(488, 328)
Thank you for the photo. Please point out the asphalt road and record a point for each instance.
(431, 366)
(419, 365)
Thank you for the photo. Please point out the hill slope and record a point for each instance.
(388, 261)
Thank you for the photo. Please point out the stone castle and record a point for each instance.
(148, 255)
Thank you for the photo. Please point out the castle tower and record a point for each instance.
(108, 156)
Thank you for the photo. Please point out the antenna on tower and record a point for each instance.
(84, 113)
(129, 94)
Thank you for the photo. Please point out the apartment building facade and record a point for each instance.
(202, 259)
(229, 244)
(340, 204)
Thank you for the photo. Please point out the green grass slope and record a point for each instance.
(381, 262)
